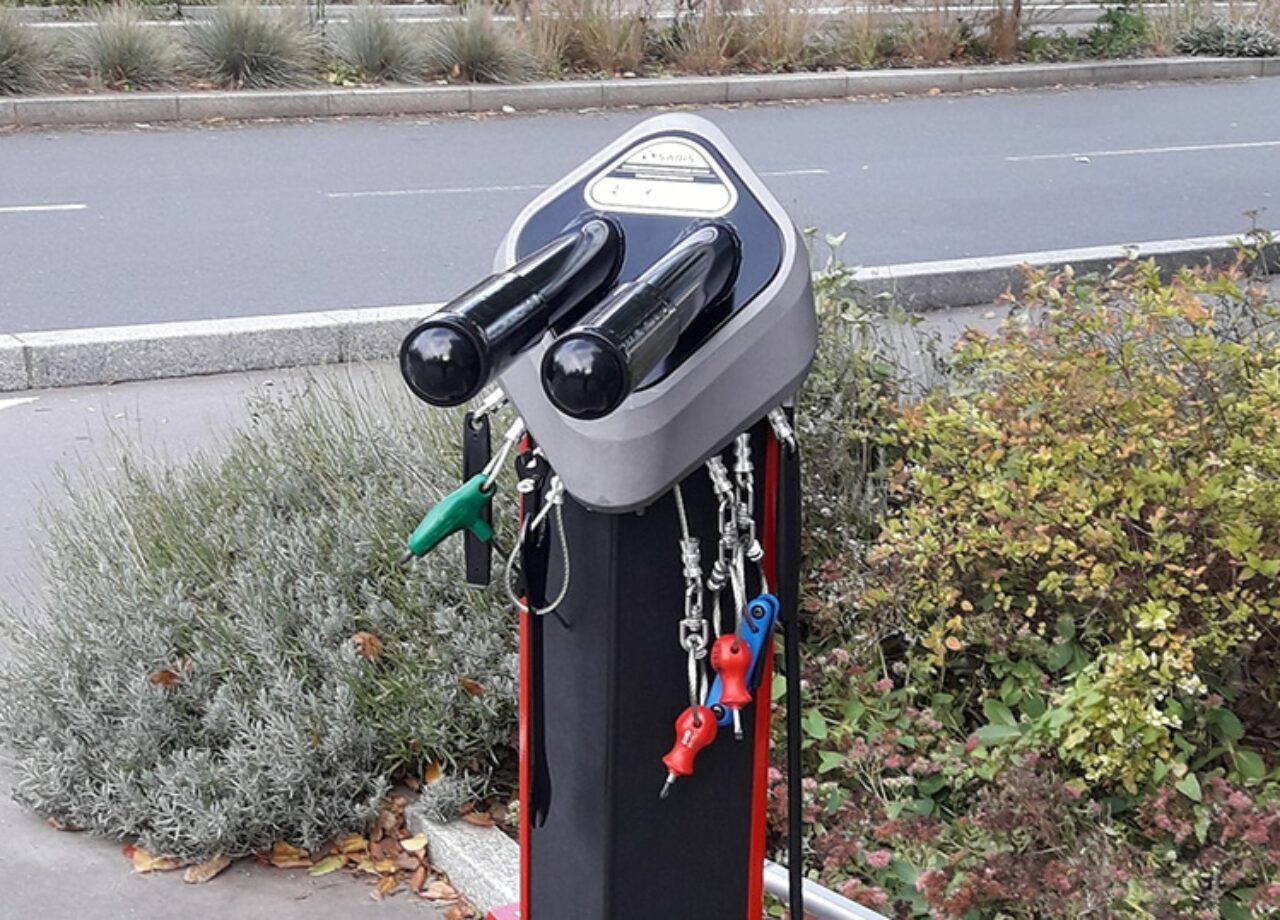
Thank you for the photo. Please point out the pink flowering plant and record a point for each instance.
(1044, 609)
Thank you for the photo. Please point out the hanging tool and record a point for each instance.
(754, 635)
(695, 729)
(731, 660)
(465, 507)
(532, 529)
(477, 452)
(535, 559)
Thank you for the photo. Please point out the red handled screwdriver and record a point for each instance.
(731, 660)
(695, 729)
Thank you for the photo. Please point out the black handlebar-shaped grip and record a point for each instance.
(452, 355)
(590, 370)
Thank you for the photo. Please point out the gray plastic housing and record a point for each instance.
(754, 362)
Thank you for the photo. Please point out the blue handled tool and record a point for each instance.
(756, 630)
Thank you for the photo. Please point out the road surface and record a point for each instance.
(104, 227)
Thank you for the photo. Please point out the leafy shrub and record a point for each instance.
(546, 40)
(230, 653)
(1046, 625)
(22, 60)
(856, 41)
(1121, 31)
(1051, 47)
(934, 35)
(709, 43)
(242, 44)
(121, 50)
(777, 34)
(379, 49)
(478, 49)
(605, 36)
(1230, 39)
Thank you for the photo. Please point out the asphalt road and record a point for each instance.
(103, 227)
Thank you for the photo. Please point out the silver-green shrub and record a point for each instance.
(242, 44)
(1230, 39)
(23, 63)
(380, 49)
(122, 50)
(478, 49)
(191, 680)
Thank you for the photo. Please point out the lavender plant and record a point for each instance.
(228, 653)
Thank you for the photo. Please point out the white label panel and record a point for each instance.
(670, 176)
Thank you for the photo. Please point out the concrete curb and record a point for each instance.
(481, 862)
(113, 354)
(922, 286)
(132, 108)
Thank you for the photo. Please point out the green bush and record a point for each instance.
(379, 49)
(122, 51)
(1230, 39)
(23, 65)
(1122, 31)
(1043, 680)
(479, 50)
(229, 653)
(245, 45)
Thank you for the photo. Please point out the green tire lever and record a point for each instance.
(461, 509)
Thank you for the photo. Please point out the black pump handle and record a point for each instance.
(454, 354)
(590, 370)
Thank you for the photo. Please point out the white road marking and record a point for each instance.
(1141, 151)
(40, 208)
(17, 401)
(795, 172)
(483, 189)
(460, 190)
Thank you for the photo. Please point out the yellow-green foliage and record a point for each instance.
(1098, 494)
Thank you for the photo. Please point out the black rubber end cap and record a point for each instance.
(584, 376)
(442, 364)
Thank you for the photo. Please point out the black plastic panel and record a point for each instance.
(614, 683)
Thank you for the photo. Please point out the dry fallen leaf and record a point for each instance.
(408, 862)
(368, 646)
(287, 856)
(144, 862)
(385, 887)
(432, 773)
(352, 844)
(63, 826)
(387, 848)
(478, 818)
(327, 865)
(471, 687)
(440, 890)
(418, 879)
(166, 677)
(205, 871)
(415, 844)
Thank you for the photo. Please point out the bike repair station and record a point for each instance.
(649, 321)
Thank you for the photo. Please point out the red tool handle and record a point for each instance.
(695, 729)
(731, 660)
